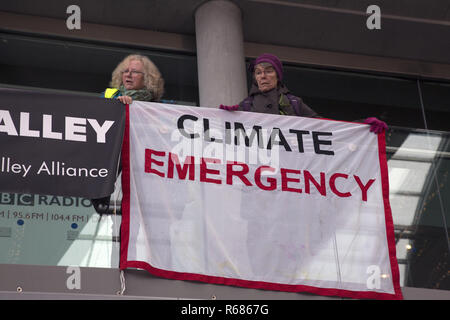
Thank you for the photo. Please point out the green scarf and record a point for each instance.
(285, 105)
(139, 95)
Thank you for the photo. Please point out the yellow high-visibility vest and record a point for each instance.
(110, 92)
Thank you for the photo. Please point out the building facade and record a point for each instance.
(348, 60)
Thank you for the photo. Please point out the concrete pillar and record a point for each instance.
(220, 54)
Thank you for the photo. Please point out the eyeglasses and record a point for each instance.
(259, 72)
(132, 72)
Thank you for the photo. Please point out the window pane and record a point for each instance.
(354, 96)
(418, 163)
(56, 231)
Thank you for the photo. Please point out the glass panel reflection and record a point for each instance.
(56, 231)
(418, 163)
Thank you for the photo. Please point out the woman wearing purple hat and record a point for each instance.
(269, 95)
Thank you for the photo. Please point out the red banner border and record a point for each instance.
(125, 227)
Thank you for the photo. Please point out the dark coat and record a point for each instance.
(276, 101)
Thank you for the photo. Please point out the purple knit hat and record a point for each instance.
(273, 60)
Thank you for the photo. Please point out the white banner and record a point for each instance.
(259, 201)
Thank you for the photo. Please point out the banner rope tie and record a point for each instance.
(122, 283)
(116, 231)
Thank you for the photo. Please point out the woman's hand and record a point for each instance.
(125, 99)
(376, 126)
(229, 108)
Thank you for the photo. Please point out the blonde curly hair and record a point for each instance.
(153, 80)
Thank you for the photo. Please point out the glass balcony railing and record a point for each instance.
(63, 231)
(419, 162)
(57, 231)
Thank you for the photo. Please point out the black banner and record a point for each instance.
(59, 144)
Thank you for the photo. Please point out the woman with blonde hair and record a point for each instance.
(136, 78)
